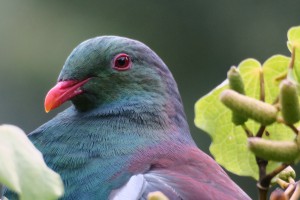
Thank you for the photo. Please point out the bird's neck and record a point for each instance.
(141, 114)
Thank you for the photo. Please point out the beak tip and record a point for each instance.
(47, 109)
(48, 105)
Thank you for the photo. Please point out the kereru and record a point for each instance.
(126, 133)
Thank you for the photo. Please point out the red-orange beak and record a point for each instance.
(62, 92)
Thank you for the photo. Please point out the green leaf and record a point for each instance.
(294, 42)
(229, 142)
(23, 169)
(293, 37)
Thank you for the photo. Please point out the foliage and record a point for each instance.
(229, 144)
(264, 139)
(23, 169)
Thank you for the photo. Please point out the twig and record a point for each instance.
(293, 54)
(247, 131)
(262, 85)
(265, 182)
(260, 131)
(294, 128)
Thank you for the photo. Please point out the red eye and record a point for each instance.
(122, 62)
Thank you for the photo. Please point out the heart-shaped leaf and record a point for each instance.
(229, 142)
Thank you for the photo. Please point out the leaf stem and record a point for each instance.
(262, 85)
(291, 65)
(265, 182)
(291, 126)
(261, 131)
(281, 77)
(294, 128)
(247, 130)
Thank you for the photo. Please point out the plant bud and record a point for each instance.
(287, 173)
(235, 80)
(236, 84)
(289, 102)
(282, 151)
(259, 111)
(157, 196)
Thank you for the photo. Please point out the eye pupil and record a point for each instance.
(122, 62)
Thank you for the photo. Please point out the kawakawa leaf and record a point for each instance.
(294, 43)
(229, 142)
(293, 37)
(22, 168)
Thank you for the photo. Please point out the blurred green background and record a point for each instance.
(198, 40)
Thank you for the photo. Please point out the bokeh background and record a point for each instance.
(198, 39)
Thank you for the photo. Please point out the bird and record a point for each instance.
(125, 134)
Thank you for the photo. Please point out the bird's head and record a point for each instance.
(111, 69)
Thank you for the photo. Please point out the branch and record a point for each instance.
(265, 182)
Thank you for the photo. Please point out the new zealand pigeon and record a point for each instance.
(126, 133)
